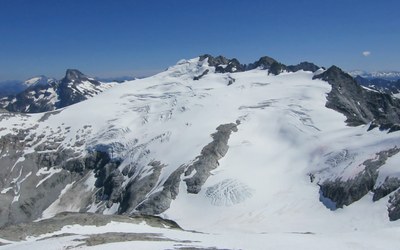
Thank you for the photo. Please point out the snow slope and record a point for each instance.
(74, 236)
(265, 191)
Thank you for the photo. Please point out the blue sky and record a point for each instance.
(111, 38)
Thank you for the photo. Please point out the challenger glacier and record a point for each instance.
(258, 156)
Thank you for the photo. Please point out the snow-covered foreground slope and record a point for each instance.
(144, 234)
(146, 146)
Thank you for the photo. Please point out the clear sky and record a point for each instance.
(110, 38)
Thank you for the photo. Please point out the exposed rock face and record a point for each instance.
(394, 206)
(161, 201)
(33, 180)
(208, 160)
(135, 196)
(359, 105)
(196, 78)
(139, 187)
(344, 193)
(389, 185)
(276, 67)
(70, 91)
(264, 62)
(223, 65)
(73, 88)
(21, 231)
(25, 200)
(306, 66)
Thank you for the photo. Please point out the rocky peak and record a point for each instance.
(214, 61)
(360, 105)
(45, 94)
(38, 80)
(336, 74)
(340, 79)
(274, 67)
(306, 66)
(75, 76)
(223, 65)
(264, 62)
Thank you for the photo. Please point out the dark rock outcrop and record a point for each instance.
(21, 231)
(394, 206)
(223, 65)
(306, 66)
(264, 62)
(68, 90)
(161, 201)
(359, 105)
(27, 199)
(344, 193)
(36, 180)
(276, 68)
(135, 196)
(139, 187)
(196, 78)
(389, 185)
(208, 159)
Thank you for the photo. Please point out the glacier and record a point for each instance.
(246, 157)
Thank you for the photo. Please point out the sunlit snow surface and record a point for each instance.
(72, 237)
(260, 196)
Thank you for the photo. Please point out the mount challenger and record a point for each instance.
(285, 156)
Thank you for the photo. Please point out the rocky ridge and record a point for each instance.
(359, 105)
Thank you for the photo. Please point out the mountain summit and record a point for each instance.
(74, 75)
(45, 94)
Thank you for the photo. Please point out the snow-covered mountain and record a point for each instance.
(284, 156)
(46, 94)
(39, 80)
(12, 88)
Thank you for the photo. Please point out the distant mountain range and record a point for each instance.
(40, 94)
(13, 87)
(386, 75)
(383, 81)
